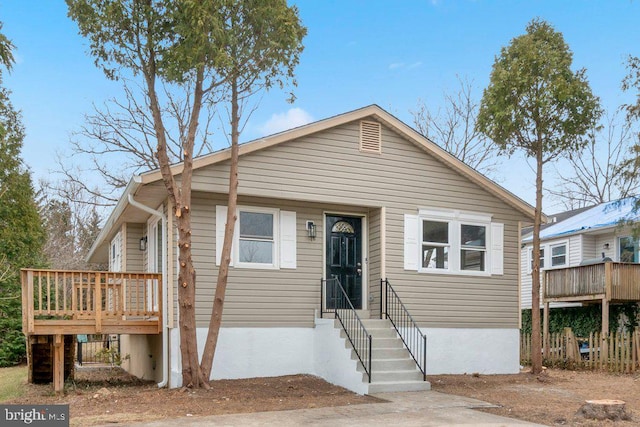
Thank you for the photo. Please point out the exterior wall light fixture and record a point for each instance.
(143, 244)
(311, 230)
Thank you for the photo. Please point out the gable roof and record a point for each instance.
(372, 111)
(375, 112)
(598, 217)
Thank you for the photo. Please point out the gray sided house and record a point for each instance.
(576, 244)
(334, 214)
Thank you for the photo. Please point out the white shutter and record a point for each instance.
(287, 239)
(497, 248)
(411, 242)
(221, 222)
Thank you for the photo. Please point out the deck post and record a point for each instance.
(29, 302)
(58, 363)
(545, 330)
(608, 278)
(97, 302)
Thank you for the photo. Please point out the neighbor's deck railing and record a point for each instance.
(611, 280)
(90, 301)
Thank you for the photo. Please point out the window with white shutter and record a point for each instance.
(458, 242)
(262, 238)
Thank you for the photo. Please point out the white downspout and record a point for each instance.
(165, 328)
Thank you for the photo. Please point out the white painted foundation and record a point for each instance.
(460, 351)
(252, 352)
(268, 352)
(333, 361)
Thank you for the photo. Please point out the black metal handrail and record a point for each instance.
(407, 328)
(351, 323)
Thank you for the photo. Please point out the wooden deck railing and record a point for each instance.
(70, 302)
(614, 281)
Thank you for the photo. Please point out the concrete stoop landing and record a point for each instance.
(392, 367)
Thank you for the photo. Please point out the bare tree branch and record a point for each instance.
(599, 173)
(118, 140)
(453, 128)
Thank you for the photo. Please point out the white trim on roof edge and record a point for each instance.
(131, 188)
(373, 110)
(370, 111)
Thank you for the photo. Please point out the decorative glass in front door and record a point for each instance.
(344, 259)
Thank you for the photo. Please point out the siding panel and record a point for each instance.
(327, 172)
(134, 254)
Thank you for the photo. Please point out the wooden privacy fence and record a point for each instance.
(616, 352)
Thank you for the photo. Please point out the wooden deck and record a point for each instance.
(613, 281)
(605, 283)
(57, 302)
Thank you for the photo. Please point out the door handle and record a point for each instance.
(359, 272)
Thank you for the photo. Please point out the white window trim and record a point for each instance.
(617, 248)
(564, 243)
(276, 239)
(456, 219)
(449, 245)
(487, 246)
(154, 251)
(115, 253)
(152, 245)
(530, 258)
(285, 230)
(547, 247)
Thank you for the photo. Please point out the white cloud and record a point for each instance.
(396, 65)
(278, 122)
(415, 65)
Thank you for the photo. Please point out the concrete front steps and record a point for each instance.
(393, 368)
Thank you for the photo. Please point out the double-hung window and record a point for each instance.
(263, 238)
(435, 244)
(555, 254)
(256, 242)
(559, 255)
(628, 249)
(453, 242)
(473, 247)
(531, 259)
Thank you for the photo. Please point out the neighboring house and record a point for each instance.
(360, 196)
(583, 235)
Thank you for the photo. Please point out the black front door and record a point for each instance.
(344, 258)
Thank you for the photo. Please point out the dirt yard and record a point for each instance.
(551, 399)
(109, 396)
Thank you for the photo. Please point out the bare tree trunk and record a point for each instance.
(223, 272)
(191, 373)
(186, 300)
(536, 342)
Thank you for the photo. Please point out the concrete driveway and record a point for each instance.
(428, 408)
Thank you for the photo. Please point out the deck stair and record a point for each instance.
(392, 367)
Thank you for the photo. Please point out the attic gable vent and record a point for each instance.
(370, 137)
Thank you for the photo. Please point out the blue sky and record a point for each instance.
(357, 53)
